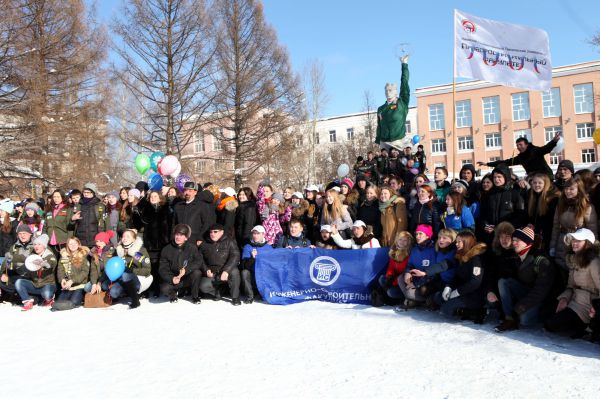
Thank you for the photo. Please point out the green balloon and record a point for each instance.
(142, 163)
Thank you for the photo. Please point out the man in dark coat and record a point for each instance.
(87, 216)
(180, 265)
(530, 157)
(221, 258)
(522, 297)
(197, 211)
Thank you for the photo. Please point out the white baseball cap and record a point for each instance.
(259, 229)
(326, 227)
(359, 223)
(312, 187)
(581, 235)
(229, 191)
(298, 194)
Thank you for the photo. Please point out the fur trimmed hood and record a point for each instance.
(301, 210)
(77, 257)
(478, 249)
(229, 204)
(135, 247)
(352, 197)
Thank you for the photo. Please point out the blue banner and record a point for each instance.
(286, 276)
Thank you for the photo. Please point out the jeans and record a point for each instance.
(117, 291)
(25, 287)
(511, 292)
(393, 292)
(75, 296)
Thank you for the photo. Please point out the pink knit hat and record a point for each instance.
(425, 229)
(347, 182)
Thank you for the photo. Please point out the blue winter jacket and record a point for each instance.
(441, 256)
(421, 257)
(464, 221)
(247, 250)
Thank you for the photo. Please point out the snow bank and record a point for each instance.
(306, 350)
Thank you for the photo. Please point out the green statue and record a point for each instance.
(391, 116)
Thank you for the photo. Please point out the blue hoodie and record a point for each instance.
(441, 256)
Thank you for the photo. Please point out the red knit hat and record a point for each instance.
(105, 236)
(347, 182)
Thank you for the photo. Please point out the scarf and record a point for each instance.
(424, 202)
(86, 201)
(384, 205)
(524, 251)
(365, 238)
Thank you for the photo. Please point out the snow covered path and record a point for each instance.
(306, 350)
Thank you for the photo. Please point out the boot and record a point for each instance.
(131, 291)
(62, 305)
(507, 325)
(595, 322)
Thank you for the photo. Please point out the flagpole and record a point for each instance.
(453, 97)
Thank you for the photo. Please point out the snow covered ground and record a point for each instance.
(307, 350)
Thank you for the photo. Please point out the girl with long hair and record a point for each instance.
(57, 220)
(334, 212)
(542, 199)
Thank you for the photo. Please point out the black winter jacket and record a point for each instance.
(532, 159)
(8, 239)
(537, 273)
(246, 217)
(156, 230)
(504, 204)
(90, 224)
(422, 214)
(173, 258)
(198, 214)
(369, 212)
(220, 256)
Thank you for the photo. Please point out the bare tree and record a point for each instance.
(166, 52)
(316, 101)
(370, 109)
(56, 52)
(258, 96)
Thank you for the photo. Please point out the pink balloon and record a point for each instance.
(168, 165)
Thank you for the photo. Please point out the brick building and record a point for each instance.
(490, 117)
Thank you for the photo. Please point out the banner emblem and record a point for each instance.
(324, 270)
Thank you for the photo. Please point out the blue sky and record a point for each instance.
(357, 40)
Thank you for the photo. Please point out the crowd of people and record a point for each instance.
(524, 249)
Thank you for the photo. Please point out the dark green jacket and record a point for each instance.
(136, 258)
(58, 224)
(46, 274)
(391, 118)
(14, 262)
(97, 267)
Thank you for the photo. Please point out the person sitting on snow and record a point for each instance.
(258, 245)
(13, 266)
(41, 281)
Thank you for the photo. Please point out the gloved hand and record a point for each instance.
(404, 59)
(446, 293)
(454, 294)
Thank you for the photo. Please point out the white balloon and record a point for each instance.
(343, 170)
(560, 146)
(177, 171)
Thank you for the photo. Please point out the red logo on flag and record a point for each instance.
(468, 26)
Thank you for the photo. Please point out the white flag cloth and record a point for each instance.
(503, 53)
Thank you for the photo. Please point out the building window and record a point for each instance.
(200, 166)
(220, 165)
(555, 158)
(491, 110)
(523, 133)
(217, 133)
(551, 102)
(520, 106)
(464, 162)
(317, 140)
(493, 140)
(585, 131)
(584, 98)
(407, 126)
(350, 133)
(463, 113)
(551, 131)
(588, 155)
(436, 117)
(494, 159)
(332, 138)
(199, 142)
(438, 146)
(465, 143)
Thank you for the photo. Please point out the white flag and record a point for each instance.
(503, 53)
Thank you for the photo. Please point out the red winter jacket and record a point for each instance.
(395, 269)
